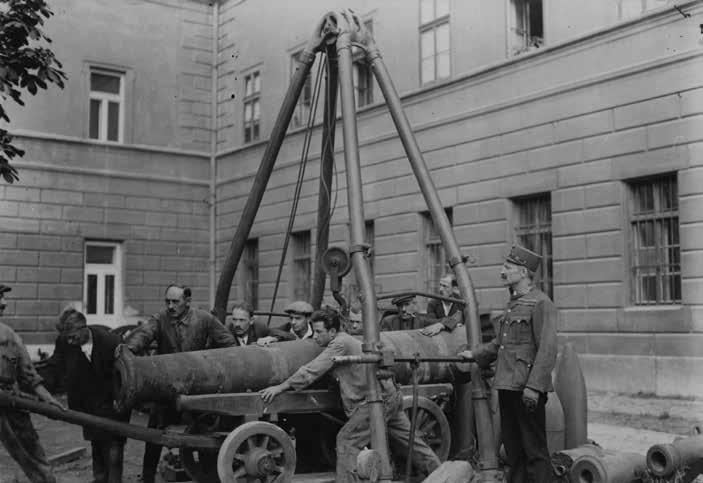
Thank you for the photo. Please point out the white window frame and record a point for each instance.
(105, 98)
(252, 99)
(102, 270)
(433, 24)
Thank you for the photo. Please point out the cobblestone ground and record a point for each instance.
(616, 422)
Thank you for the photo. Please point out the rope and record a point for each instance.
(298, 186)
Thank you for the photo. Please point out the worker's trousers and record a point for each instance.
(356, 434)
(21, 441)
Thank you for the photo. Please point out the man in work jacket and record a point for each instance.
(17, 433)
(177, 328)
(356, 433)
(525, 348)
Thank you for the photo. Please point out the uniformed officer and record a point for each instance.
(525, 348)
(17, 433)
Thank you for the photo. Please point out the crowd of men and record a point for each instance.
(524, 353)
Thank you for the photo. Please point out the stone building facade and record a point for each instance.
(576, 131)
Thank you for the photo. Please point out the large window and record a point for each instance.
(533, 230)
(252, 107)
(525, 26)
(102, 283)
(250, 272)
(302, 265)
(302, 108)
(655, 257)
(434, 40)
(435, 260)
(106, 105)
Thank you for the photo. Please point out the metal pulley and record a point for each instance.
(336, 262)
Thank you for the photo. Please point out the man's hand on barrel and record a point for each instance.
(468, 355)
(266, 341)
(272, 391)
(46, 396)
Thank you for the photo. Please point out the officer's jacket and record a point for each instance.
(526, 344)
(15, 365)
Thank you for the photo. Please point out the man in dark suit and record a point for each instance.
(245, 328)
(84, 356)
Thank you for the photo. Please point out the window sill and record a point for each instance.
(655, 318)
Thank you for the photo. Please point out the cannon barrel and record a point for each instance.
(251, 368)
(664, 459)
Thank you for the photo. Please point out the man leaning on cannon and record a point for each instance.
(85, 355)
(356, 433)
(177, 328)
(17, 433)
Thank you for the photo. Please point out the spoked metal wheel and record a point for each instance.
(432, 425)
(256, 452)
(201, 465)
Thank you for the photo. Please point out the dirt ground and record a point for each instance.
(58, 437)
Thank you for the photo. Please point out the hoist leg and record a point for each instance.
(278, 133)
(488, 461)
(360, 262)
(326, 169)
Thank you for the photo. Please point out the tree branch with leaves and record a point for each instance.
(25, 66)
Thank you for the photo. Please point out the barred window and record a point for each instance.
(534, 231)
(655, 257)
(252, 107)
(434, 257)
(434, 40)
(302, 265)
(250, 272)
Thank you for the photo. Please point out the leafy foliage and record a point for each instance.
(24, 66)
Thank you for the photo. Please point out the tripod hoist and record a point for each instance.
(334, 36)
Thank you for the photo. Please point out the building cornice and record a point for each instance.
(26, 134)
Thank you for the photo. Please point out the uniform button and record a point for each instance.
(502, 347)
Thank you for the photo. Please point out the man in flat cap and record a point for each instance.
(85, 356)
(17, 433)
(406, 317)
(525, 348)
(298, 326)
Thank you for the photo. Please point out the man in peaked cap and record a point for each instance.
(407, 319)
(17, 433)
(298, 326)
(525, 348)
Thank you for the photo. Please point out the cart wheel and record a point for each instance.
(256, 451)
(432, 425)
(200, 465)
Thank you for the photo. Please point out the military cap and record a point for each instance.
(402, 299)
(299, 307)
(70, 320)
(524, 257)
(4, 288)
